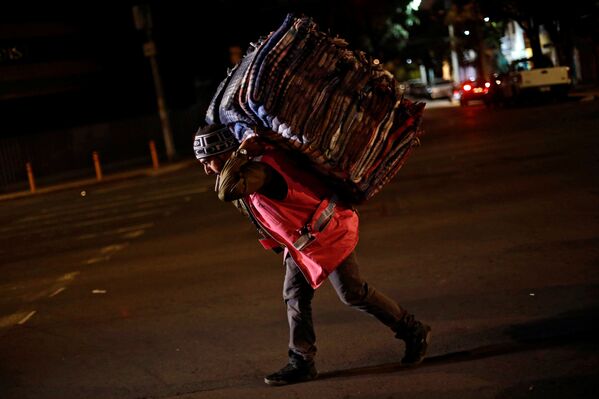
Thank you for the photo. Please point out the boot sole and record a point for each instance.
(275, 383)
(427, 340)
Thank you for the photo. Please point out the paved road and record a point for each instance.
(152, 288)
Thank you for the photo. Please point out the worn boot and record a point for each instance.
(417, 337)
(297, 370)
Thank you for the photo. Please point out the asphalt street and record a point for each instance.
(152, 288)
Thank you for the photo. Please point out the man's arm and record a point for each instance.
(240, 177)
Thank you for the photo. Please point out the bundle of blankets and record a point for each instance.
(310, 93)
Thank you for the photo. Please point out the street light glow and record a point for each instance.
(467, 32)
(414, 4)
(486, 19)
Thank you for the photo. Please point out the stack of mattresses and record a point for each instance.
(308, 91)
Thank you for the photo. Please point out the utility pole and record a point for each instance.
(481, 57)
(142, 16)
(455, 65)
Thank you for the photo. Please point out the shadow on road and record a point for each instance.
(574, 328)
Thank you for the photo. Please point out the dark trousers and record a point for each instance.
(352, 291)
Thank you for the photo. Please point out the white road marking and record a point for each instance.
(134, 234)
(113, 248)
(74, 219)
(58, 291)
(116, 218)
(54, 227)
(11, 320)
(137, 227)
(80, 213)
(68, 276)
(106, 252)
(96, 260)
(29, 316)
(117, 231)
(146, 200)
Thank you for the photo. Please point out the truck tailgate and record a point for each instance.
(545, 77)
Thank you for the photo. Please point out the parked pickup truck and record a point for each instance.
(522, 82)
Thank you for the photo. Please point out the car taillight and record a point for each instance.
(467, 87)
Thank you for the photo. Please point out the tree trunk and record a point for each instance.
(538, 58)
(561, 37)
(531, 28)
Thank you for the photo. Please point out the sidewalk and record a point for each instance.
(585, 92)
(141, 172)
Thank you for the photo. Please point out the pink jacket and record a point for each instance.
(316, 231)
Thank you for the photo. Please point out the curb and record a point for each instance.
(146, 172)
(590, 97)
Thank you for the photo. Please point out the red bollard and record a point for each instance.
(97, 165)
(30, 177)
(154, 154)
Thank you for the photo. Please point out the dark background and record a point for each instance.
(74, 79)
(110, 77)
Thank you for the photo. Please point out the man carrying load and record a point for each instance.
(299, 215)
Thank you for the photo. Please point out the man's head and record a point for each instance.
(212, 145)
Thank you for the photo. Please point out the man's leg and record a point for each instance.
(298, 295)
(354, 291)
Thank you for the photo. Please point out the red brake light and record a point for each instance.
(467, 87)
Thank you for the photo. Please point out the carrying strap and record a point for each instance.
(326, 215)
(324, 218)
(265, 235)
